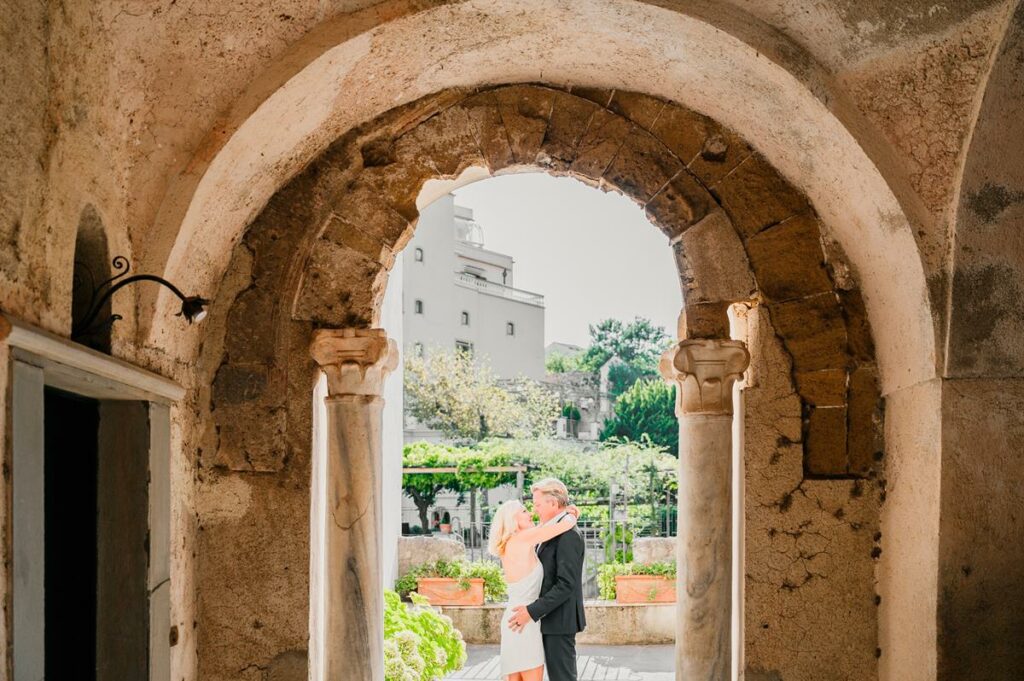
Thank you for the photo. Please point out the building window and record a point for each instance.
(510, 329)
(464, 346)
(417, 349)
(465, 318)
(418, 255)
(418, 307)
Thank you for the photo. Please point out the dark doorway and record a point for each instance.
(96, 528)
(70, 473)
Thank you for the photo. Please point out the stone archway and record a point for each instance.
(979, 533)
(317, 257)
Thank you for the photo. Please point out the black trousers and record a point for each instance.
(560, 656)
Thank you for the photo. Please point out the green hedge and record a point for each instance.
(607, 573)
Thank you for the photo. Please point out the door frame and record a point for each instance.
(38, 359)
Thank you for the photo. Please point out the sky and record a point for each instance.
(593, 255)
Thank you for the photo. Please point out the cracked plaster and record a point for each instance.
(809, 584)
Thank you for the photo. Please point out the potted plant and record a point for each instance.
(446, 523)
(454, 582)
(638, 583)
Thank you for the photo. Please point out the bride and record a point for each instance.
(514, 539)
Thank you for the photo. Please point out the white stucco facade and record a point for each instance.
(456, 293)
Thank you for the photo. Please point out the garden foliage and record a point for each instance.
(420, 644)
(646, 410)
(452, 392)
(495, 588)
(641, 469)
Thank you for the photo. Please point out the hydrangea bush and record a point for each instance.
(420, 644)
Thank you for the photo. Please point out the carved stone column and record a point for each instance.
(356, 362)
(704, 372)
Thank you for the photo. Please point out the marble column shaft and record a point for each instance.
(356, 362)
(704, 372)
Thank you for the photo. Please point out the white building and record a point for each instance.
(458, 294)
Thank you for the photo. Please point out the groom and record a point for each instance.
(560, 605)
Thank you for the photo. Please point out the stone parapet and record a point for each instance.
(413, 551)
(654, 550)
(608, 623)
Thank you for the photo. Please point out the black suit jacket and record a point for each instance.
(560, 606)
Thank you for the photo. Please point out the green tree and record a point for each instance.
(462, 398)
(621, 377)
(638, 343)
(647, 408)
(470, 474)
(557, 363)
(587, 471)
(423, 488)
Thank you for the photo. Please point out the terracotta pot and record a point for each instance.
(645, 589)
(448, 591)
(446, 528)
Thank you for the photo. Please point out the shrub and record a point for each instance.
(495, 588)
(645, 410)
(570, 411)
(606, 579)
(420, 644)
(607, 573)
(622, 539)
(558, 363)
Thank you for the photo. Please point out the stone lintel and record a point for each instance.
(356, 361)
(704, 371)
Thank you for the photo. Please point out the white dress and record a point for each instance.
(522, 650)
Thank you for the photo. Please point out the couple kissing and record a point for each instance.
(543, 566)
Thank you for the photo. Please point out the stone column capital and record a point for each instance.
(356, 361)
(704, 371)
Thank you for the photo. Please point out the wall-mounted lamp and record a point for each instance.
(193, 308)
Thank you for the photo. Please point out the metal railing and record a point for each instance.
(500, 290)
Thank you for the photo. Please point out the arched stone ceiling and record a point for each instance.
(320, 251)
(986, 313)
(615, 44)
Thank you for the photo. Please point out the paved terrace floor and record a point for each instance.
(596, 663)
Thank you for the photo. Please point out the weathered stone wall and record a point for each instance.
(654, 549)
(252, 500)
(987, 320)
(25, 138)
(981, 572)
(583, 390)
(811, 613)
(923, 97)
(608, 623)
(125, 109)
(318, 256)
(719, 202)
(981, 535)
(413, 551)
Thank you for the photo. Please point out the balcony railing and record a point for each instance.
(500, 290)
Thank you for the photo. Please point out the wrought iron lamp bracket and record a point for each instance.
(193, 308)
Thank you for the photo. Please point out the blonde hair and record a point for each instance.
(503, 526)
(554, 488)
